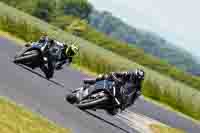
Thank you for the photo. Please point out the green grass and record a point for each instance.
(15, 119)
(98, 60)
(164, 129)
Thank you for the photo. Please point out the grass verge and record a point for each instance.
(94, 58)
(15, 119)
(164, 129)
(169, 108)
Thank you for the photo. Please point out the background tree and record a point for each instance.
(78, 8)
(45, 9)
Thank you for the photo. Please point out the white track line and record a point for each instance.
(137, 121)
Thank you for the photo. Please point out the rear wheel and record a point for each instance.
(26, 57)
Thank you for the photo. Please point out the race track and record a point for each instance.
(31, 89)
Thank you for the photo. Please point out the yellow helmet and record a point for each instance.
(72, 50)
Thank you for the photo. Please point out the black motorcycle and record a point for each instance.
(101, 95)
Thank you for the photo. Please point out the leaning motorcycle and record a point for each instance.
(101, 95)
(32, 55)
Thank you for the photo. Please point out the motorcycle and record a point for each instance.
(101, 95)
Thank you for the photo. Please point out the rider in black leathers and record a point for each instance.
(129, 81)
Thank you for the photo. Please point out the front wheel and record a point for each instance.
(93, 103)
(71, 98)
(27, 57)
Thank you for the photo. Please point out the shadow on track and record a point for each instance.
(40, 75)
(110, 123)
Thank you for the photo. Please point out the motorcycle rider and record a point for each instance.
(128, 81)
(67, 55)
(57, 55)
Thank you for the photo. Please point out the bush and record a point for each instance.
(78, 8)
(44, 10)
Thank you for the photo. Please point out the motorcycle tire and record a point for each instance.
(92, 103)
(27, 57)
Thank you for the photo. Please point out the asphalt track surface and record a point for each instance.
(32, 90)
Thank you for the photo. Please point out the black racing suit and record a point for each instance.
(128, 81)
